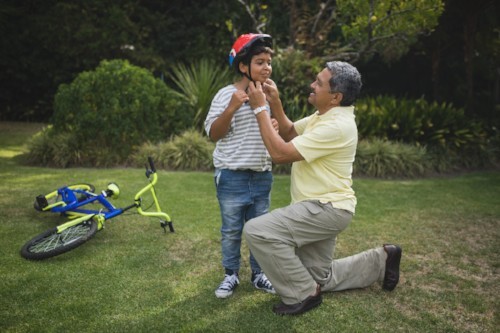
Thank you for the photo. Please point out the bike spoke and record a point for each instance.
(60, 239)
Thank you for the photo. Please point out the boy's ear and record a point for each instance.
(243, 68)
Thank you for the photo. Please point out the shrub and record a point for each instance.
(416, 121)
(437, 126)
(385, 159)
(197, 85)
(49, 148)
(187, 151)
(62, 150)
(159, 151)
(104, 113)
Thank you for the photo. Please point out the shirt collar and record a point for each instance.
(338, 110)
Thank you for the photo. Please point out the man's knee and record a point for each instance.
(252, 228)
(248, 228)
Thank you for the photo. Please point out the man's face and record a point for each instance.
(320, 96)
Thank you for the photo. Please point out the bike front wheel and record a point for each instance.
(52, 243)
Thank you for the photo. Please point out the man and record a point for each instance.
(294, 244)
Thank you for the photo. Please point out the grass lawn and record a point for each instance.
(132, 277)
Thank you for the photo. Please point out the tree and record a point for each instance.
(352, 30)
(47, 43)
(458, 63)
(50, 42)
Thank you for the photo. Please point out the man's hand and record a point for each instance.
(271, 91)
(256, 95)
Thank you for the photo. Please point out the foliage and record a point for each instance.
(63, 150)
(445, 160)
(258, 11)
(293, 74)
(445, 65)
(46, 43)
(52, 41)
(189, 151)
(386, 27)
(103, 114)
(355, 30)
(385, 159)
(379, 158)
(197, 85)
(420, 122)
(48, 148)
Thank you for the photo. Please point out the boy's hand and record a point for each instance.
(239, 97)
(276, 125)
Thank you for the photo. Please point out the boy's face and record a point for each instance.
(260, 68)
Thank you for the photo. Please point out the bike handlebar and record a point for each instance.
(151, 169)
(151, 164)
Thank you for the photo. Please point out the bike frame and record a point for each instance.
(75, 210)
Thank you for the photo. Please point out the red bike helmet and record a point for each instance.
(243, 44)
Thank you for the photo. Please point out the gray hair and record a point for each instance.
(346, 80)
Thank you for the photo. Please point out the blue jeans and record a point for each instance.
(242, 196)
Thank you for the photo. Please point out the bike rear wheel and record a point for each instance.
(51, 243)
(53, 197)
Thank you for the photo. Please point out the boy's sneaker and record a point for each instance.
(227, 286)
(260, 281)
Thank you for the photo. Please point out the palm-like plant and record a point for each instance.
(198, 84)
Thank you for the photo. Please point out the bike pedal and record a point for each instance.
(42, 201)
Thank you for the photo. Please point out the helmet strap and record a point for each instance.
(249, 75)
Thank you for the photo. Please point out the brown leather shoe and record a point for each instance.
(298, 308)
(391, 277)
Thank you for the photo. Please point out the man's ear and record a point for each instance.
(337, 98)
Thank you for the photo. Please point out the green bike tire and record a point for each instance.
(53, 197)
(51, 243)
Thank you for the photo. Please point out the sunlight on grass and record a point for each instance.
(12, 151)
(13, 136)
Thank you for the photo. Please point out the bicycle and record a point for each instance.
(73, 201)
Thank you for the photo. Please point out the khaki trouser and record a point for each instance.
(294, 246)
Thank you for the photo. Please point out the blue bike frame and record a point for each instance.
(73, 207)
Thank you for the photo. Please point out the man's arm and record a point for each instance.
(286, 128)
(280, 151)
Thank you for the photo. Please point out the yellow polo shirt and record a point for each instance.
(328, 144)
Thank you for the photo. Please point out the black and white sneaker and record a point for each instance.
(227, 286)
(261, 282)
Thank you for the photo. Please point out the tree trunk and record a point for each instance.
(469, 35)
(435, 66)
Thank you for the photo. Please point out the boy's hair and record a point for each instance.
(247, 58)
